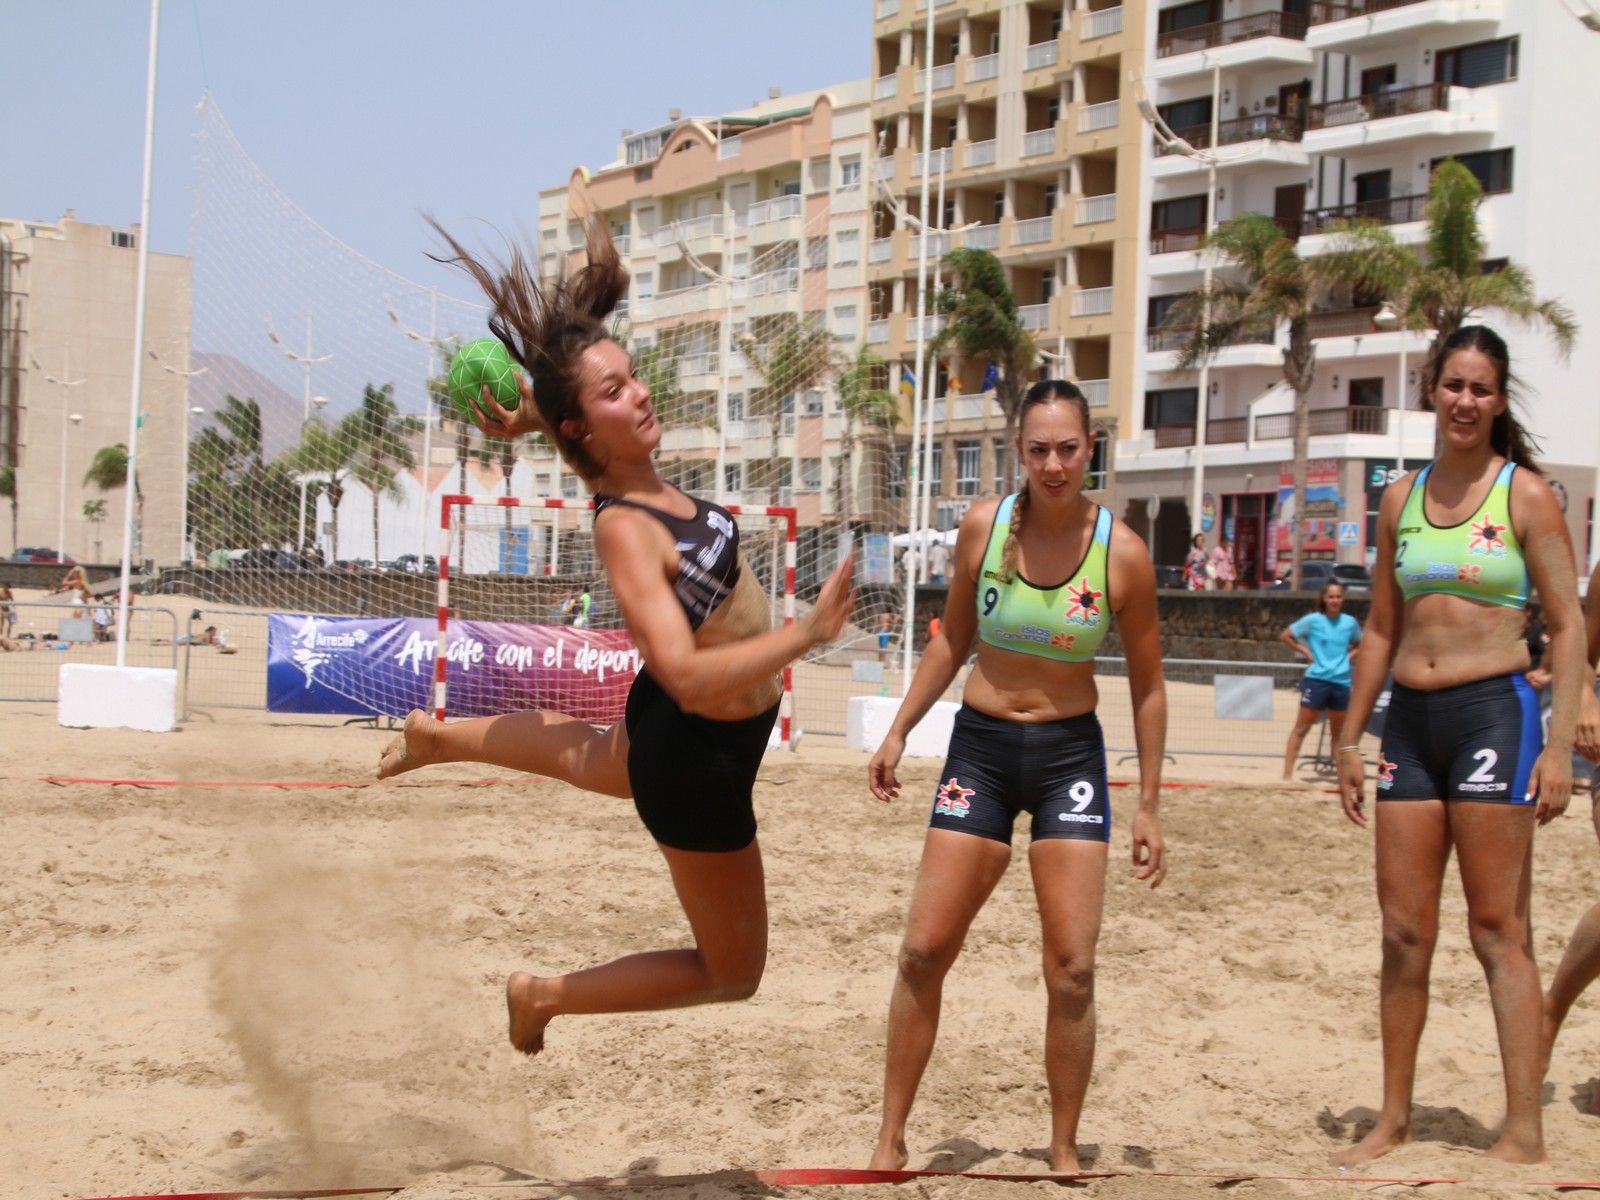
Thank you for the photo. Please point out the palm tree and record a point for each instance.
(8, 491)
(382, 449)
(109, 470)
(94, 511)
(861, 400)
(1445, 285)
(1270, 285)
(981, 322)
(790, 355)
(327, 452)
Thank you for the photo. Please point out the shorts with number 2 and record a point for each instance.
(1055, 770)
(1474, 741)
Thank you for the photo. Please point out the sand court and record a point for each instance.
(246, 987)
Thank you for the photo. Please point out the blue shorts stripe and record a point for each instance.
(1532, 740)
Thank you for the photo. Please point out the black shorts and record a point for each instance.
(692, 777)
(1324, 694)
(997, 768)
(1473, 741)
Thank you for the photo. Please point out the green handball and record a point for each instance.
(479, 364)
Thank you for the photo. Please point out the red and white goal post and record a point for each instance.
(505, 566)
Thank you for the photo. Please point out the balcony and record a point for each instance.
(932, 162)
(1259, 349)
(1340, 24)
(1268, 126)
(1172, 241)
(1042, 54)
(1325, 421)
(1105, 23)
(690, 230)
(878, 331)
(730, 147)
(883, 169)
(980, 154)
(1092, 117)
(678, 302)
(1033, 316)
(1096, 391)
(1033, 231)
(1395, 210)
(1342, 322)
(784, 279)
(982, 237)
(1227, 431)
(943, 77)
(929, 326)
(1038, 141)
(775, 220)
(986, 67)
(885, 86)
(1399, 114)
(1092, 210)
(1269, 37)
(1173, 437)
(699, 372)
(1091, 302)
(881, 250)
(887, 9)
(623, 242)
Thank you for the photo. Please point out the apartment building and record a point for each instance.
(1036, 152)
(67, 291)
(1338, 109)
(734, 229)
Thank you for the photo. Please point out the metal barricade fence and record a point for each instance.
(224, 663)
(40, 635)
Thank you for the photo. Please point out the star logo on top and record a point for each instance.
(1386, 770)
(1487, 538)
(952, 800)
(1469, 572)
(1083, 604)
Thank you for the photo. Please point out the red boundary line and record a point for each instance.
(834, 1176)
(352, 784)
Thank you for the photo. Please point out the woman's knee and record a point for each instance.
(738, 980)
(1498, 937)
(925, 962)
(1409, 939)
(1069, 976)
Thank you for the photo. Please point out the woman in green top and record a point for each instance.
(1328, 639)
(1036, 579)
(1461, 768)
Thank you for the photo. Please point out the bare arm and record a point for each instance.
(1592, 618)
(1385, 623)
(1288, 638)
(1133, 589)
(633, 548)
(944, 654)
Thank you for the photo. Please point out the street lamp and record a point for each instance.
(66, 383)
(185, 551)
(433, 342)
(305, 360)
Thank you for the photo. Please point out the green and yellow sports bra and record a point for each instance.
(1065, 621)
(1477, 559)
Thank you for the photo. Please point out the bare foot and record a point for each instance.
(889, 1155)
(1517, 1149)
(411, 748)
(1383, 1138)
(528, 1017)
(1064, 1160)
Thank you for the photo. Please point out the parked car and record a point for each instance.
(428, 565)
(1314, 572)
(1169, 576)
(42, 554)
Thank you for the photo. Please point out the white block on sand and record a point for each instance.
(869, 717)
(105, 697)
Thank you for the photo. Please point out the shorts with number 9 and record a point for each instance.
(1055, 770)
(1473, 741)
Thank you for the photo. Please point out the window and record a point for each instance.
(848, 242)
(735, 406)
(574, 235)
(121, 240)
(1047, 284)
(647, 220)
(1094, 479)
(1186, 114)
(1492, 167)
(1373, 185)
(569, 486)
(1478, 64)
(1052, 110)
(849, 173)
(732, 476)
(1377, 79)
(969, 465)
(1170, 406)
(810, 474)
(1186, 212)
(820, 167)
(789, 188)
(936, 469)
(1055, 22)
(1187, 16)
(899, 469)
(816, 254)
(999, 206)
(844, 321)
(811, 403)
(1366, 393)
(1051, 193)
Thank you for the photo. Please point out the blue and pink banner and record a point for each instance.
(356, 666)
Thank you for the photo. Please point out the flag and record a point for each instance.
(991, 378)
(908, 382)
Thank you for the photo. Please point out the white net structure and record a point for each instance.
(323, 447)
(527, 619)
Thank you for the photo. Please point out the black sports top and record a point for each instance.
(708, 553)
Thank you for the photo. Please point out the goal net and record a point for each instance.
(527, 619)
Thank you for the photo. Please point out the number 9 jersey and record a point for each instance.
(1063, 621)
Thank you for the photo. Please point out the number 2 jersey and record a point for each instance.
(1479, 558)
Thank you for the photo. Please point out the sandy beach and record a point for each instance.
(212, 987)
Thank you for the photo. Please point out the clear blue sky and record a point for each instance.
(367, 111)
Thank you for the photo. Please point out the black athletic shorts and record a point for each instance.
(997, 768)
(1473, 741)
(692, 776)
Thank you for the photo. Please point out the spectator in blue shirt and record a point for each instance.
(1327, 639)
